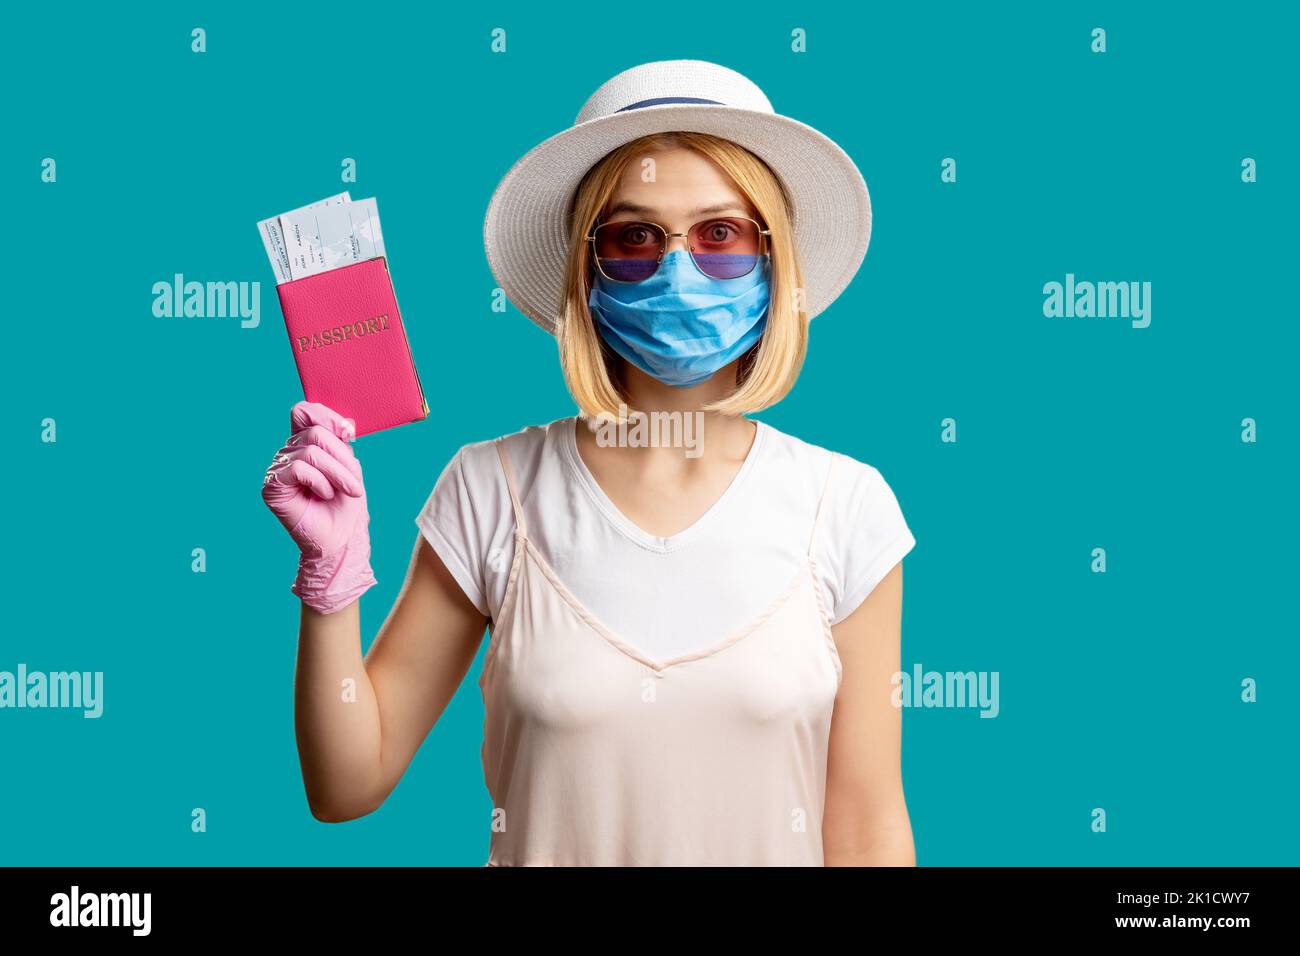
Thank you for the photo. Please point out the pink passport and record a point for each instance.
(350, 345)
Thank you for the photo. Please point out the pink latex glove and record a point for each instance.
(314, 487)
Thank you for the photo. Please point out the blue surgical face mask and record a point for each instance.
(680, 326)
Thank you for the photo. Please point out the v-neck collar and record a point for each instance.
(804, 574)
(633, 531)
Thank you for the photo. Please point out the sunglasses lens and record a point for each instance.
(725, 248)
(628, 251)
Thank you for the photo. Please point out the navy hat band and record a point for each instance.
(656, 101)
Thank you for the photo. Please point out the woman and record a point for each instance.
(674, 622)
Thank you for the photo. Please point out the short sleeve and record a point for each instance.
(864, 537)
(449, 523)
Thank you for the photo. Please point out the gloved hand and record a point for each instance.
(314, 487)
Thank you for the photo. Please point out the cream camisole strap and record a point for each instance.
(596, 754)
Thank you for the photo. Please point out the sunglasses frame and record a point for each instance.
(764, 244)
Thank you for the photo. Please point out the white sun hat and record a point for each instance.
(527, 226)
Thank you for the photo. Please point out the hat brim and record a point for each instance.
(525, 232)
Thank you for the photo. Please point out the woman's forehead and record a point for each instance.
(678, 182)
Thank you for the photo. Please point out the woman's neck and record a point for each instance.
(667, 428)
(648, 394)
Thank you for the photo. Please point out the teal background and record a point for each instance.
(1119, 691)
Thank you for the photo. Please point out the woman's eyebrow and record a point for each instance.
(719, 207)
(625, 205)
(636, 209)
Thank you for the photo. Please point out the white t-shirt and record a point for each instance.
(666, 596)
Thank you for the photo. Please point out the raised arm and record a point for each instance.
(360, 720)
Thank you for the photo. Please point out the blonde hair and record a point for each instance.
(766, 372)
